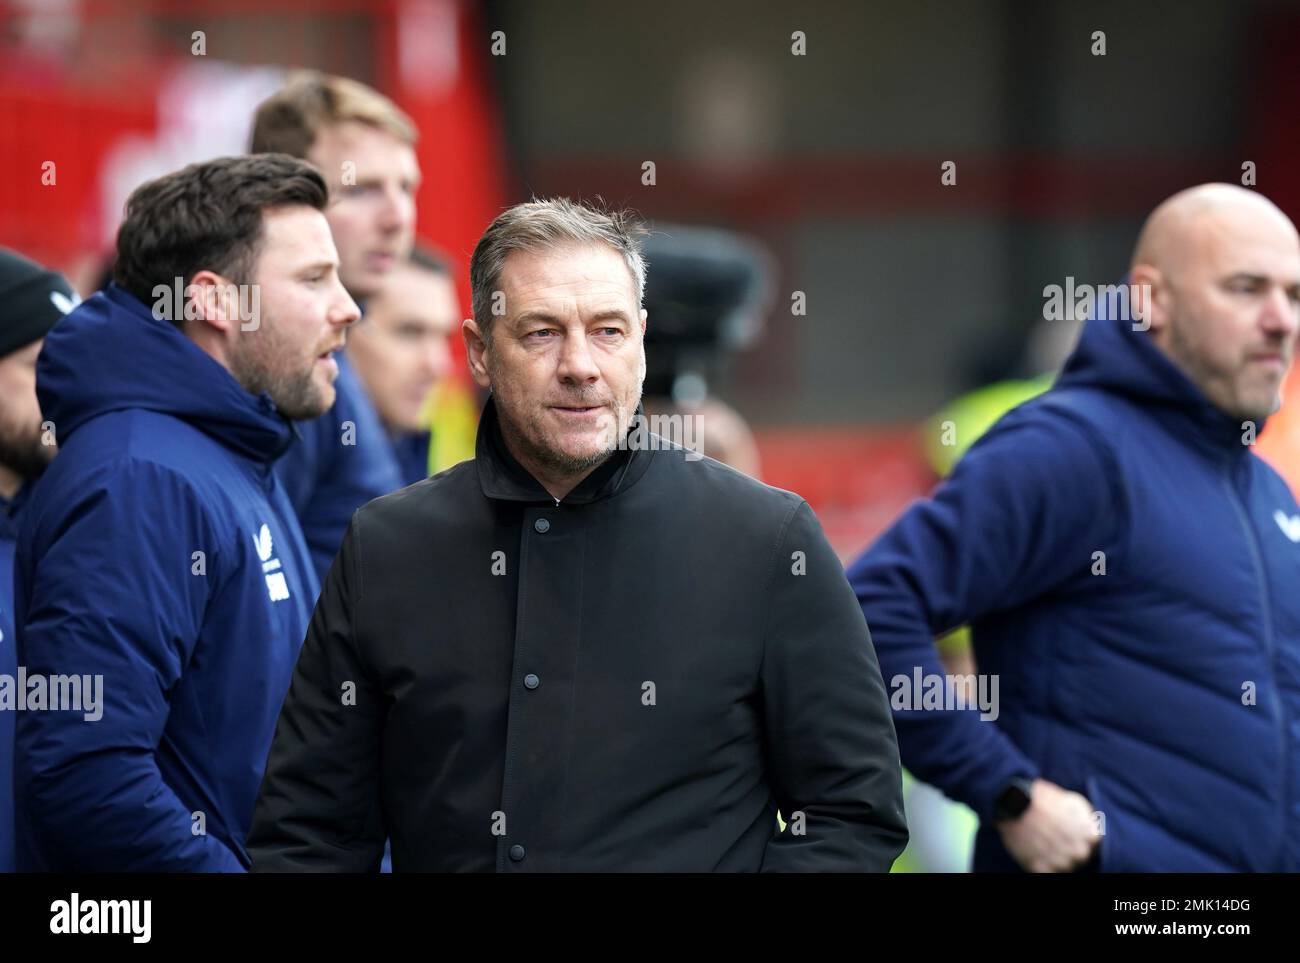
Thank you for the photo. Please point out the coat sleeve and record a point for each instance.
(319, 805)
(1023, 512)
(108, 590)
(830, 742)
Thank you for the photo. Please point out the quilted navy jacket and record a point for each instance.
(158, 552)
(1131, 573)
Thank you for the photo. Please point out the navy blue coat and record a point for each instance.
(1160, 678)
(9, 514)
(159, 551)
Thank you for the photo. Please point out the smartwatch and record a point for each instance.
(1013, 800)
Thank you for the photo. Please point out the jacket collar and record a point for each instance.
(502, 477)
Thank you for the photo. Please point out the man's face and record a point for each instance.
(304, 314)
(1233, 308)
(21, 450)
(401, 347)
(566, 361)
(372, 177)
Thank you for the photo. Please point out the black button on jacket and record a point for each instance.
(638, 684)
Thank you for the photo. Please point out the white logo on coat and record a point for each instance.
(276, 586)
(64, 303)
(1290, 524)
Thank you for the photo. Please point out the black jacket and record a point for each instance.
(636, 678)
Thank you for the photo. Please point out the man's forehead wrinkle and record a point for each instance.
(560, 275)
(579, 285)
(586, 296)
(568, 266)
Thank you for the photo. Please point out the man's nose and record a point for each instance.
(393, 212)
(344, 311)
(577, 366)
(1280, 315)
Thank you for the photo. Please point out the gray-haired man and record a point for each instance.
(582, 650)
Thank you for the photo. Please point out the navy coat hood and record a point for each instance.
(113, 354)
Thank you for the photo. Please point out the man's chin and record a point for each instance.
(587, 461)
(572, 455)
(1257, 412)
(585, 445)
(325, 395)
(1267, 411)
(406, 425)
(308, 406)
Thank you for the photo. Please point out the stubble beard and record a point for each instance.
(532, 438)
(1202, 374)
(295, 393)
(22, 450)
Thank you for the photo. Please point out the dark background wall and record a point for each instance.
(915, 290)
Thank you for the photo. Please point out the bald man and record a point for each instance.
(1130, 571)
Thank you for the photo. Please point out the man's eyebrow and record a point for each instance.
(528, 317)
(617, 314)
(406, 323)
(315, 266)
(371, 180)
(1255, 278)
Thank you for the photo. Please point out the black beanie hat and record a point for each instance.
(32, 299)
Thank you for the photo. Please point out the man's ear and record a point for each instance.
(644, 315)
(1150, 296)
(213, 300)
(476, 349)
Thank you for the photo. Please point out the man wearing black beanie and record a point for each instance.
(32, 299)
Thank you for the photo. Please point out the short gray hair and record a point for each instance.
(540, 224)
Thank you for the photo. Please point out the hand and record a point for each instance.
(1056, 834)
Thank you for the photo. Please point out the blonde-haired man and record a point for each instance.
(364, 146)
